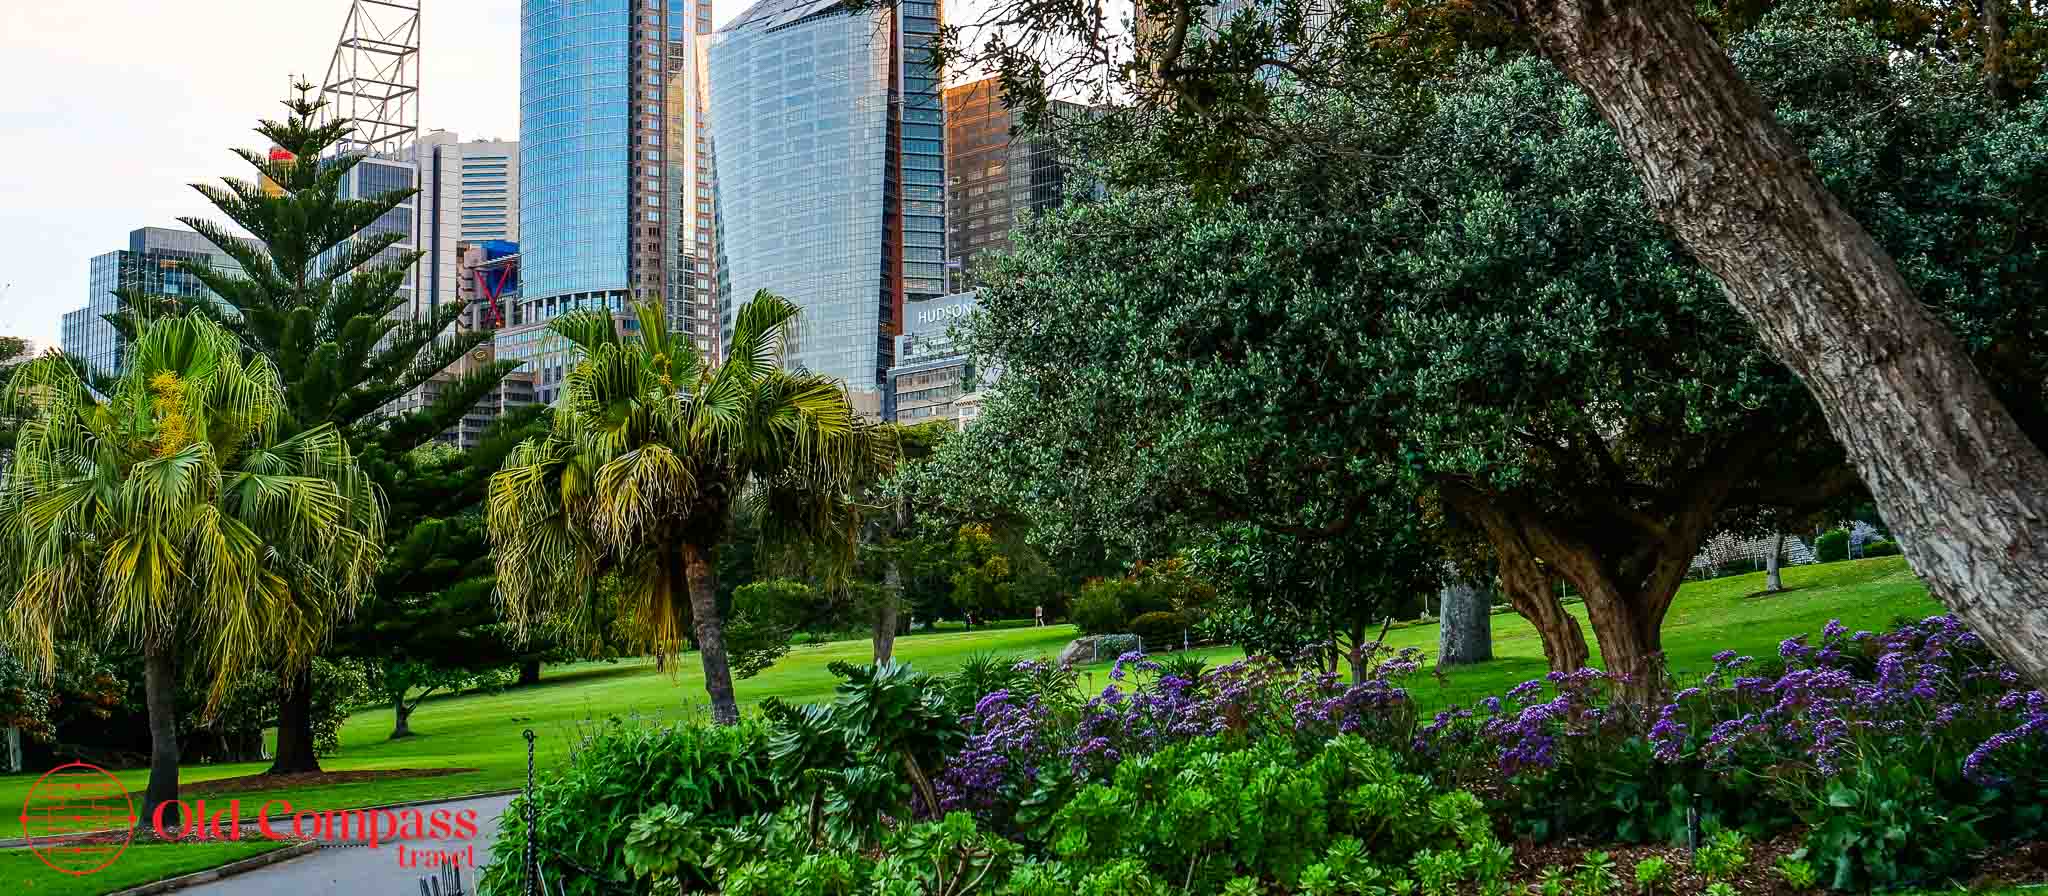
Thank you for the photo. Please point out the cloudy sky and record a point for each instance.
(112, 108)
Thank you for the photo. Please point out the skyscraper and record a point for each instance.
(468, 194)
(157, 262)
(612, 159)
(830, 137)
(996, 177)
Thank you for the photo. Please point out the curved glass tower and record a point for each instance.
(830, 137)
(573, 145)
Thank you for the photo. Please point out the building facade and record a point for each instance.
(157, 262)
(469, 193)
(932, 375)
(996, 177)
(615, 186)
(829, 127)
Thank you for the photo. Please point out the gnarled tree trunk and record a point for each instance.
(401, 715)
(1950, 468)
(1466, 628)
(160, 690)
(295, 726)
(703, 584)
(1526, 583)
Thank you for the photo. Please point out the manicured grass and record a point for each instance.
(22, 873)
(483, 731)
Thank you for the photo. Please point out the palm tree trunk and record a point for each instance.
(160, 687)
(725, 709)
(295, 726)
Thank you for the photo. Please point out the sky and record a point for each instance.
(112, 109)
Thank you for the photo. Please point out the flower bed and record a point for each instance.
(1858, 761)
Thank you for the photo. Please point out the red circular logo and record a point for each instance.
(78, 819)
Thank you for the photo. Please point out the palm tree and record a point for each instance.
(651, 451)
(168, 512)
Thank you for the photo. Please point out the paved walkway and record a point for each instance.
(356, 870)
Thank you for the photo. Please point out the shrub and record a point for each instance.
(1099, 610)
(1160, 630)
(1724, 853)
(1596, 874)
(1831, 546)
(1881, 548)
(584, 812)
(1798, 874)
(1652, 874)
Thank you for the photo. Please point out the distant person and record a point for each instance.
(1040, 615)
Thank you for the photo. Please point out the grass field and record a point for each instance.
(484, 731)
(26, 875)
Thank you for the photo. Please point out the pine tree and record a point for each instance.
(320, 295)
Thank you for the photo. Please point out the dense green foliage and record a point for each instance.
(1831, 546)
(1459, 293)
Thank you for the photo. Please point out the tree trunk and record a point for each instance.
(529, 672)
(1356, 656)
(1465, 635)
(295, 726)
(401, 715)
(885, 615)
(160, 689)
(1994, 48)
(1525, 582)
(1772, 580)
(1948, 465)
(703, 584)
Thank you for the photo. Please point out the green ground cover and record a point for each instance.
(26, 875)
(484, 731)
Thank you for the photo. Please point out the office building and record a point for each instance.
(996, 177)
(469, 193)
(615, 188)
(830, 134)
(932, 375)
(157, 262)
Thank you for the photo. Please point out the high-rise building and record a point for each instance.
(932, 373)
(615, 184)
(469, 193)
(157, 262)
(997, 176)
(830, 135)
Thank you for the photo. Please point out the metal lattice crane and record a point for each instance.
(374, 79)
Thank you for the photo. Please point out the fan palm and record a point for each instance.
(651, 452)
(168, 512)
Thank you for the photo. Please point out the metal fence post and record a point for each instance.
(532, 867)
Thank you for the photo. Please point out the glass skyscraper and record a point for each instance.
(157, 262)
(830, 136)
(614, 168)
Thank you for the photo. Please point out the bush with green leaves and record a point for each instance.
(1831, 546)
(1161, 630)
(1882, 547)
(1098, 610)
(1724, 853)
(1653, 874)
(636, 795)
(1797, 872)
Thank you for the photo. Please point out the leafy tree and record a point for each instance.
(1948, 462)
(175, 514)
(1480, 300)
(981, 584)
(651, 451)
(320, 295)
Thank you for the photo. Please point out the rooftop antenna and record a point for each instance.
(374, 78)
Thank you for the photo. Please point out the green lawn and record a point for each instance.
(28, 876)
(484, 731)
